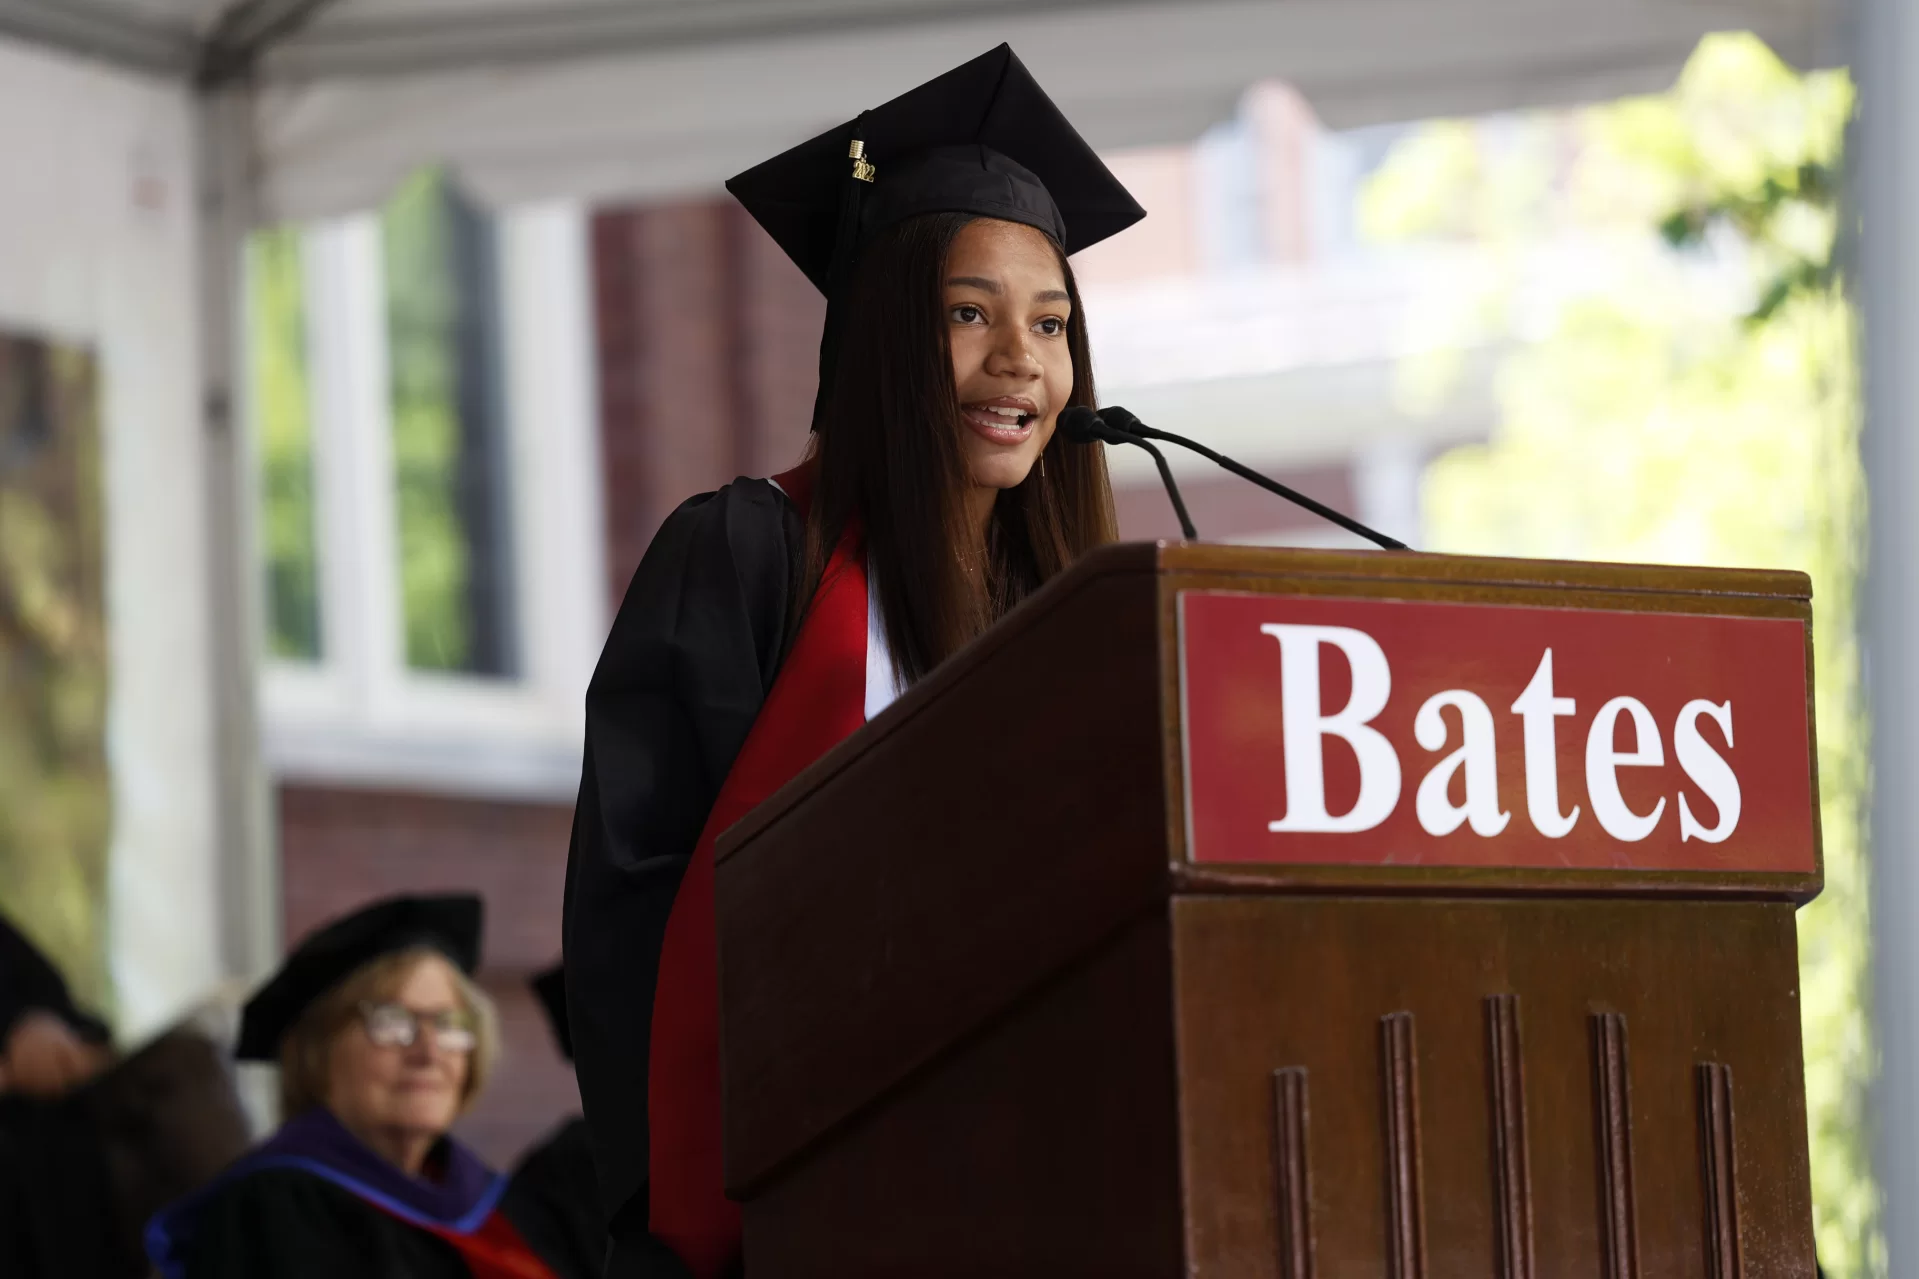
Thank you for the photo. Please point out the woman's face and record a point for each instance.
(1006, 313)
(390, 1089)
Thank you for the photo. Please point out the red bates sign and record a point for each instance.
(1380, 732)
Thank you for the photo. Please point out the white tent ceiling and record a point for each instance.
(652, 98)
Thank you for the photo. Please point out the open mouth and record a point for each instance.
(1004, 421)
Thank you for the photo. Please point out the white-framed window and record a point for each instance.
(421, 392)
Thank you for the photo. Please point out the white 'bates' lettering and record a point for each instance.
(1604, 760)
(1476, 755)
(1707, 768)
(1304, 728)
(1536, 708)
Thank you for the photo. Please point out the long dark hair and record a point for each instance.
(887, 452)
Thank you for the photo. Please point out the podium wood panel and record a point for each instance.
(1046, 1147)
(982, 1015)
(926, 908)
(1264, 983)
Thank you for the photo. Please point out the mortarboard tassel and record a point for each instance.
(859, 178)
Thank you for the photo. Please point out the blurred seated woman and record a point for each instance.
(48, 1047)
(383, 1041)
(92, 1142)
(55, 1213)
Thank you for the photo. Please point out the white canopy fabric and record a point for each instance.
(638, 99)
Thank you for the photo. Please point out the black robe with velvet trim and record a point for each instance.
(686, 668)
(285, 1223)
(314, 1200)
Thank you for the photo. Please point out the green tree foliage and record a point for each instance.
(55, 801)
(282, 415)
(1681, 386)
(423, 314)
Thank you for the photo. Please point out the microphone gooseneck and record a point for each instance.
(1121, 422)
(1083, 426)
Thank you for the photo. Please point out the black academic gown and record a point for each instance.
(314, 1203)
(686, 668)
(58, 1210)
(289, 1224)
(59, 1216)
(561, 1198)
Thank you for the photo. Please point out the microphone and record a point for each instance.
(1083, 426)
(1121, 423)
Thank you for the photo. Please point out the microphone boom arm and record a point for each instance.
(1165, 476)
(1083, 425)
(1125, 424)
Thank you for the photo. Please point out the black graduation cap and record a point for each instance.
(550, 986)
(983, 138)
(449, 923)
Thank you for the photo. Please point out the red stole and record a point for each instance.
(495, 1250)
(818, 699)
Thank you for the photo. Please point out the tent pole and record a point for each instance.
(248, 856)
(245, 33)
(1887, 177)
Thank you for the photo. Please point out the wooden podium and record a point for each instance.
(1120, 947)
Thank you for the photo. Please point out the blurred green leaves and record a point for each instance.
(448, 449)
(445, 414)
(1690, 396)
(283, 423)
(55, 800)
(422, 310)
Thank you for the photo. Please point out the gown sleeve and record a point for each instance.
(685, 670)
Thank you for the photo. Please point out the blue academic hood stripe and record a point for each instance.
(163, 1239)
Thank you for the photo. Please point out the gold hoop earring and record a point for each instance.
(1042, 466)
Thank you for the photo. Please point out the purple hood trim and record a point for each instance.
(458, 1203)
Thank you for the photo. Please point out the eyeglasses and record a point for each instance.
(397, 1026)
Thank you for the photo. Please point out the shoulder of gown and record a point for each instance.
(553, 1201)
(291, 1224)
(686, 667)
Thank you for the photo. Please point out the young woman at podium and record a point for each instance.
(771, 619)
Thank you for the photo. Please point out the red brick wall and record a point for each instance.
(708, 340)
(341, 848)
